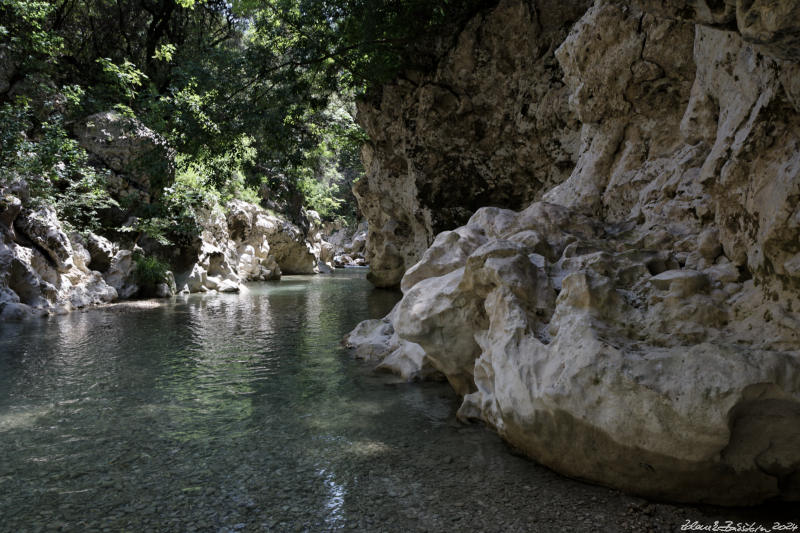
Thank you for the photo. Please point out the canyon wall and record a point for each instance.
(638, 323)
(491, 126)
(46, 269)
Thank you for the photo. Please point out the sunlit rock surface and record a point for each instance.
(640, 325)
(249, 244)
(120, 274)
(321, 249)
(349, 245)
(42, 270)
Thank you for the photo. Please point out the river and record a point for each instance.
(242, 412)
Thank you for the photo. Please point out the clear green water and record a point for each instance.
(243, 413)
(219, 412)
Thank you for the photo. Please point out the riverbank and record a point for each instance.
(46, 269)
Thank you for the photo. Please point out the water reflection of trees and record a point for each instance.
(246, 393)
(227, 340)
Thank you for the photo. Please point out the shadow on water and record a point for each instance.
(243, 413)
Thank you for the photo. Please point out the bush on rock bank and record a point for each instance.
(44, 269)
(112, 212)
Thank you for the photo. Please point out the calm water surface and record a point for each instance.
(218, 412)
(243, 413)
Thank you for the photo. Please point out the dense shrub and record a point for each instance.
(149, 272)
(257, 97)
(55, 168)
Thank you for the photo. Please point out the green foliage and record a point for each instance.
(320, 197)
(173, 220)
(165, 52)
(200, 183)
(122, 81)
(81, 202)
(25, 32)
(220, 177)
(357, 44)
(329, 169)
(14, 122)
(55, 168)
(255, 96)
(154, 227)
(149, 272)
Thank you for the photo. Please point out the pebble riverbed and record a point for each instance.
(228, 413)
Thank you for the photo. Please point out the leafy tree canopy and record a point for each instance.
(256, 96)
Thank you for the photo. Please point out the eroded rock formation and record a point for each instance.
(140, 160)
(321, 249)
(42, 269)
(349, 245)
(248, 244)
(640, 325)
(491, 126)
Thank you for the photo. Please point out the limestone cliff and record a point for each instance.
(638, 325)
(140, 162)
(349, 245)
(42, 269)
(491, 126)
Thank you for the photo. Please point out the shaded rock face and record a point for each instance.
(101, 252)
(491, 126)
(141, 160)
(301, 250)
(640, 325)
(120, 274)
(349, 245)
(42, 270)
(774, 25)
(6, 73)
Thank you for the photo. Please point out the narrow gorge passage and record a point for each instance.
(243, 413)
(591, 209)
